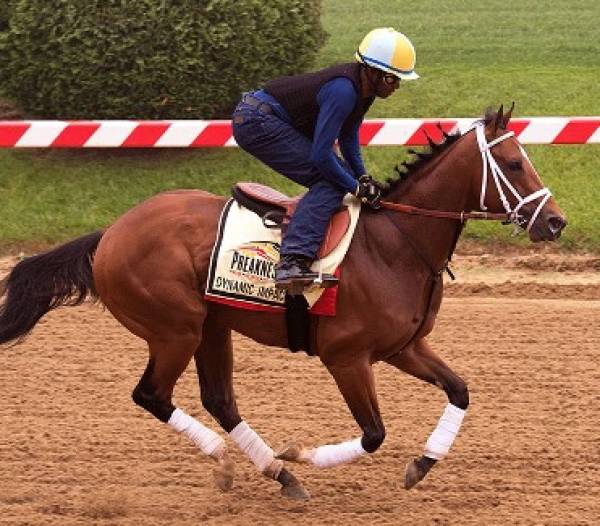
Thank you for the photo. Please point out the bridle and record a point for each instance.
(489, 165)
(499, 178)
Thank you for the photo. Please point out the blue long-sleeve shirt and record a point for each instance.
(336, 99)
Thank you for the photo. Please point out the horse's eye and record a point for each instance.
(515, 165)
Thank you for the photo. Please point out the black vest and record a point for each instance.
(298, 95)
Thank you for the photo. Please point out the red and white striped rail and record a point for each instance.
(201, 134)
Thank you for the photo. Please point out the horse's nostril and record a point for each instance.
(556, 224)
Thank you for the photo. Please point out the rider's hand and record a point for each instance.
(368, 191)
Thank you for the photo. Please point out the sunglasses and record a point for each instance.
(390, 79)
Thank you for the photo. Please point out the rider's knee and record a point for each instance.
(458, 393)
(372, 439)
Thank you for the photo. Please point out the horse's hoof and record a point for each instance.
(223, 474)
(416, 471)
(291, 487)
(412, 475)
(291, 452)
(295, 491)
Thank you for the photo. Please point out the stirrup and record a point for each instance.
(326, 281)
(297, 281)
(296, 285)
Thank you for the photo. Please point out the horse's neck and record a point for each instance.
(446, 183)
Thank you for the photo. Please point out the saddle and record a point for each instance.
(276, 209)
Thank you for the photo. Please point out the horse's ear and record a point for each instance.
(509, 114)
(499, 118)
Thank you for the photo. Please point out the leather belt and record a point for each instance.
(257, 103)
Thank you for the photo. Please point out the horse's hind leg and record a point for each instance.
(155, 389)
(214, 363)
(149, 283)
(420, 361)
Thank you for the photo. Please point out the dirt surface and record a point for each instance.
(522, 328)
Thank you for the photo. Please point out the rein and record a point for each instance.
(489, 165)
(461, 216)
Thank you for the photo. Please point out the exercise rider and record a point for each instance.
(292, 124)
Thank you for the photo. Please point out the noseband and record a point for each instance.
(489, 164)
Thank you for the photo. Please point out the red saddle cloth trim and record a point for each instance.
(338, 226)
(326, 304)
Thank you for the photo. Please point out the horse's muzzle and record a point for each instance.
(548, 228)
(556, 225)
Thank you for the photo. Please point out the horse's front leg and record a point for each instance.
(356, 383)
(420, 361)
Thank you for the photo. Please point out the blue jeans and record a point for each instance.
(287, 151)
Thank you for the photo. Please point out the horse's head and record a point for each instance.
(511, 184)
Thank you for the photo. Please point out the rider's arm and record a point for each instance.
(350, 148)
(336, 100)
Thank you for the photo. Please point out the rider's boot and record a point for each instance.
(294, 271)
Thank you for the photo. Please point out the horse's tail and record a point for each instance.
(40, 283)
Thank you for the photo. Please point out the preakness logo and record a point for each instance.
(255, 261)
(248, 271)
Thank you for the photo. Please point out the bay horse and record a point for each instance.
(149, 268)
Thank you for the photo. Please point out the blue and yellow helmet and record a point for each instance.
(389, 50)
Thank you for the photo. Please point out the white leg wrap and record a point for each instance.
(256, 449)
(336, 454)
(206, 439)
(444, 434)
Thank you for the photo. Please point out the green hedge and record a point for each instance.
(79, 59)
(5, 10)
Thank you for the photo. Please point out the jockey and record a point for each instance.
(292, 124)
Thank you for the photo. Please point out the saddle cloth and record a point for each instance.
(242, 264)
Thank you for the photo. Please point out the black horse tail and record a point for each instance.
(38, 284)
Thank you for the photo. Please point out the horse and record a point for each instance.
(149, 269)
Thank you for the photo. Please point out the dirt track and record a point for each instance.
(75, 450)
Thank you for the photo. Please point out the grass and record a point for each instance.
(53, 195)
(470, 55)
